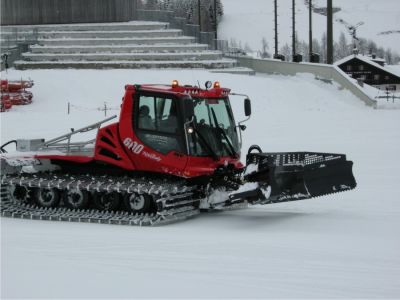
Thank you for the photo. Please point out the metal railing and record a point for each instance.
(14, 42)
(68, 147)
(202, 37)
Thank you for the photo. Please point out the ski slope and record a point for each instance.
(341, 246)
(257, 21)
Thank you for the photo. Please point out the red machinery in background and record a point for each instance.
(13, 92)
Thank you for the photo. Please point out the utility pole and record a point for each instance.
(293, 30)
(329, 34)
(310, 45)
(276, 26)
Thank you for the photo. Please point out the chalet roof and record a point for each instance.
(394, 69)
(378, 59)
(367, 60)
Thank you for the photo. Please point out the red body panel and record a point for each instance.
(109, 148)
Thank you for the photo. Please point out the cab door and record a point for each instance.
(157, 143)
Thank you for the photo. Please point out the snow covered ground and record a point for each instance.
(257, 21)
(340, 246)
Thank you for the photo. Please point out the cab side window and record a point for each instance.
(157, 123)
(146, 119)
(169, 118)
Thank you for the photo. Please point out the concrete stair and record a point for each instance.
(157, 48)
(135, 44)
(94, 34)
(88, 27)
(116, 41)
(150, 56)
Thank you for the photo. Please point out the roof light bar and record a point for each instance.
(175, 83)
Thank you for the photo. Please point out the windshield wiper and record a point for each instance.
(230, 146)
(206, 144)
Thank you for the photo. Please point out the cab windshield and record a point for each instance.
(214, 128)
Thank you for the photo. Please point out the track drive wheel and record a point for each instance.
(21, 193)
(107, 201)
(76, 199)
(139, 203)
(47, 197)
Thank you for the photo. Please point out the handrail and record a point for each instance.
(55, 143)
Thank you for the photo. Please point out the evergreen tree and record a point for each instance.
(248, 49)
(264, 48)
(396, 58)
(286, 51)
(380, 52)
(324, 44)
(363, 46)
(336, 53)
(152, 4)
(388, 56)
(342, 49)
(317, 47)
(372, 47)
(303, 49)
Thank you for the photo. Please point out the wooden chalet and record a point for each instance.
(371, 71)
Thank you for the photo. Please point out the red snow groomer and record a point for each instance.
(5, 103)
(14, 91)
(174, 152)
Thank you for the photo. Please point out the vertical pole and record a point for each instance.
(199, 13)
(329, 34)
(215, 21)
(293, 30)
(310, 45)
(105, 109)
(69, 108)
(276, 26)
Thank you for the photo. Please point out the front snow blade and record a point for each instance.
(298, 175)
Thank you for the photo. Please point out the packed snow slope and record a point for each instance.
(257, 21)
(340, 246)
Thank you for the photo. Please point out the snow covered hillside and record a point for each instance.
(343, 246)
(257, 21)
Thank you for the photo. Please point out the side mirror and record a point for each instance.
(247, 107)
(188, 107)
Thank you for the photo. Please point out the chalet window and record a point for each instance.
(386, 77)
(377, 77)
(363, 77)
(361, 67)
(349, 67)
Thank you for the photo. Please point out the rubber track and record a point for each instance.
(174, 197)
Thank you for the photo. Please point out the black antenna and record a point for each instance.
(276, 26)
(329, 34)
(352, 29)
(293, 30)
(310, 45)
